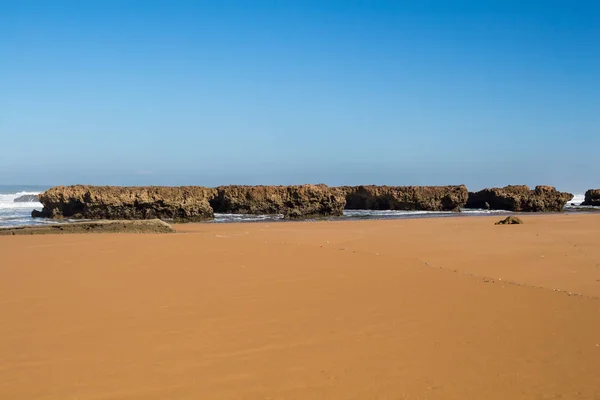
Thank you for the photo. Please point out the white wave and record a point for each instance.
(386, 213)
(483, 211)
(577, 200)
(246, 217)
(8, 201)
(406, 214)
(358, 214)
(16, 214)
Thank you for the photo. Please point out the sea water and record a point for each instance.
(18, 214)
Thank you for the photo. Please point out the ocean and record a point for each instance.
(19, 213)
(16, 214)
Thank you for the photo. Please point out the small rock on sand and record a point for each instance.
(510, 221)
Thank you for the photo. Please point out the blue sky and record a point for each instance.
(484, 93)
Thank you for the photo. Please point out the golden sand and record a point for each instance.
(448, 308)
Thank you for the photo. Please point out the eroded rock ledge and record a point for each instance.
(302, 201)
(195, 203)
(146, 226)
(420, 198)
(519, 198)
(186, 203)
(189, 203)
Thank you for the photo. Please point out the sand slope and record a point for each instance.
(348, 310)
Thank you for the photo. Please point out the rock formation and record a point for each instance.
(146, 226)
(423, 198)
(592, 198)
(194, 203)
(26, 198)
(190, 203)
(510, 221)
(302, 201)
(519, 198)
(183, 204)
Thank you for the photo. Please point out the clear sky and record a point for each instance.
(420, 92)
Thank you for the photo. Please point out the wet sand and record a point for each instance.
(448, 308)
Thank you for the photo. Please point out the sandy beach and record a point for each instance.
(446, 308)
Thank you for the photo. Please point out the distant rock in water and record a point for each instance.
(592, 198)
(181, 204)
(27, 198)
(302, 201)
(510, 221)
(410, 198)
(519, 198)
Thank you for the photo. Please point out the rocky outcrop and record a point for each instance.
(189, 203)
(422, 198)
(146, 226)
(302, 201)
(592, 198)
(27, 198)
(520, 198)
(194, 203)
(181, 204)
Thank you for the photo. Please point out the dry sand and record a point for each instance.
(410, 309)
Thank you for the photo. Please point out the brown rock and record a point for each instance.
(592, 198)
(510, 221)
(146, 226)
(302, 201)
(182, 204)
(420, 198)
(520, 198)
